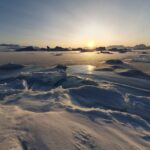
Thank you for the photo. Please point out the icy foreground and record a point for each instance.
(74, 108)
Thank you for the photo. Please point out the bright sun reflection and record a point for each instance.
(90, 68)
(91, 44)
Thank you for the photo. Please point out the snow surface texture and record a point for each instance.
(76, 107)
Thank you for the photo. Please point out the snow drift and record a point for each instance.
(65, 108)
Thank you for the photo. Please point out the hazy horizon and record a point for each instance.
(79, 23)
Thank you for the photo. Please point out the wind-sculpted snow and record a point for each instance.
(91, 109)
(91, 96)
(123, 69)
(84, 92)
(73, 81)
(87, 92)
(133, 73)
(43, 80)
(139, 105)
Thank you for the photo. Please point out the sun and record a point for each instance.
(91, 44)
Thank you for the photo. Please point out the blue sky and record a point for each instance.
(73, 23)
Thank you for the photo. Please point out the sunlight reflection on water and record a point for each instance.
(87, 69)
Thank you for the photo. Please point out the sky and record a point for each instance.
(75, 23)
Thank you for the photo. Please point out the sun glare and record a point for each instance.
(91, 44)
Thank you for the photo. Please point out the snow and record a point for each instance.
(74, 107)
